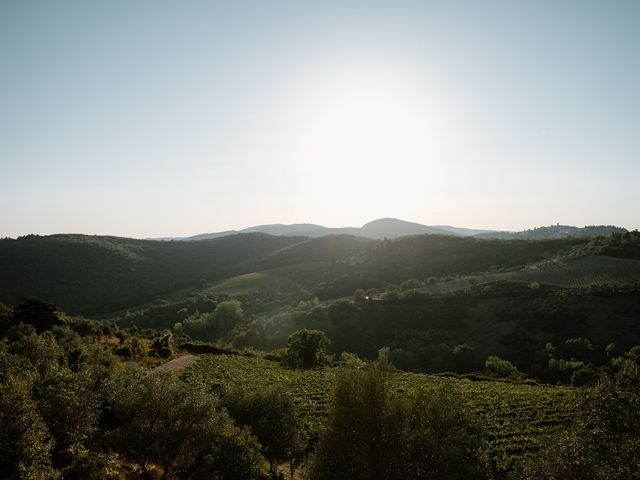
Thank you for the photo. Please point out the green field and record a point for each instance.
(516, 417)
(565, 272)
(583, 271)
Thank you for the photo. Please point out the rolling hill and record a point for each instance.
(97, 274)
(381, 228)
(394, 228)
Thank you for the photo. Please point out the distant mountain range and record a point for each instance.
(394, 228)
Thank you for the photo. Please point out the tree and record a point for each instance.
(441, 440)
(272, 416)
(158, 419)
(163, 346)
(227, 315)
(42, 351)
(501, 368)
(25, 444)
(212, 326)
(371, 434)
(464, 357)
(308, 347)
(575, 348)
(43, 316)
(353, 442)
(69, 405)
(235, 454)
(133, 349)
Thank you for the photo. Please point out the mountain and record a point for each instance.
(394, 228)
(377, 229)
(463, 232)
(294, 230)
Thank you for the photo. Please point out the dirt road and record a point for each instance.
(178, 364)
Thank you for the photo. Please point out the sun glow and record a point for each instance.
(373, 128)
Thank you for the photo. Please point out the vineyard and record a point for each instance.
(583, 271)
(516, 417)
(566, 272)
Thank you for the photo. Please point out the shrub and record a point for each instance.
(307, 347)
(501, 368)
(371, 434)
(272, 416)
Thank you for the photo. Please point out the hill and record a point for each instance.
(394, 228)
(97, 275)
(381, 228)
(557, 231)
(295, 230)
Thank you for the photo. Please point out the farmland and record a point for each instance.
(565, 272)
(516, 417)
(583, 271)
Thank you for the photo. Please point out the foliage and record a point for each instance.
(69, 405)
(25, 444)
(235, 454)
(117, 273)
(42, 316)
(516, 417)
(175, 425)
(604, 445)
(133, 349)
(500, 368)
(272, 416)
(464, 358)
(69, 409)
(307, 347)
(372, 434)
(212, 326)
(100, 274)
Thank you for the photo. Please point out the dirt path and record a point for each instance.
(177, 364)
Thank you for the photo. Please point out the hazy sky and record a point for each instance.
(150, 118)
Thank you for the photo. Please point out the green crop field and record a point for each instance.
(566, 272)
(584, 271)
(516, 417)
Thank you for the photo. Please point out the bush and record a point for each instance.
(272, 416)
(25, 444)
(307, 348)
(176, 426)
(371, 434)
(501, 368)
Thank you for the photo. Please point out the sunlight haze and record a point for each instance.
(158, 118)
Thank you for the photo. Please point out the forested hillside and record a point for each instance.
(97, 275)
(93, 274)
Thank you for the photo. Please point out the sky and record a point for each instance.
(164, 118)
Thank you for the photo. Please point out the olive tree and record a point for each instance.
(372, 434)
(307, 347)
(272, 416)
